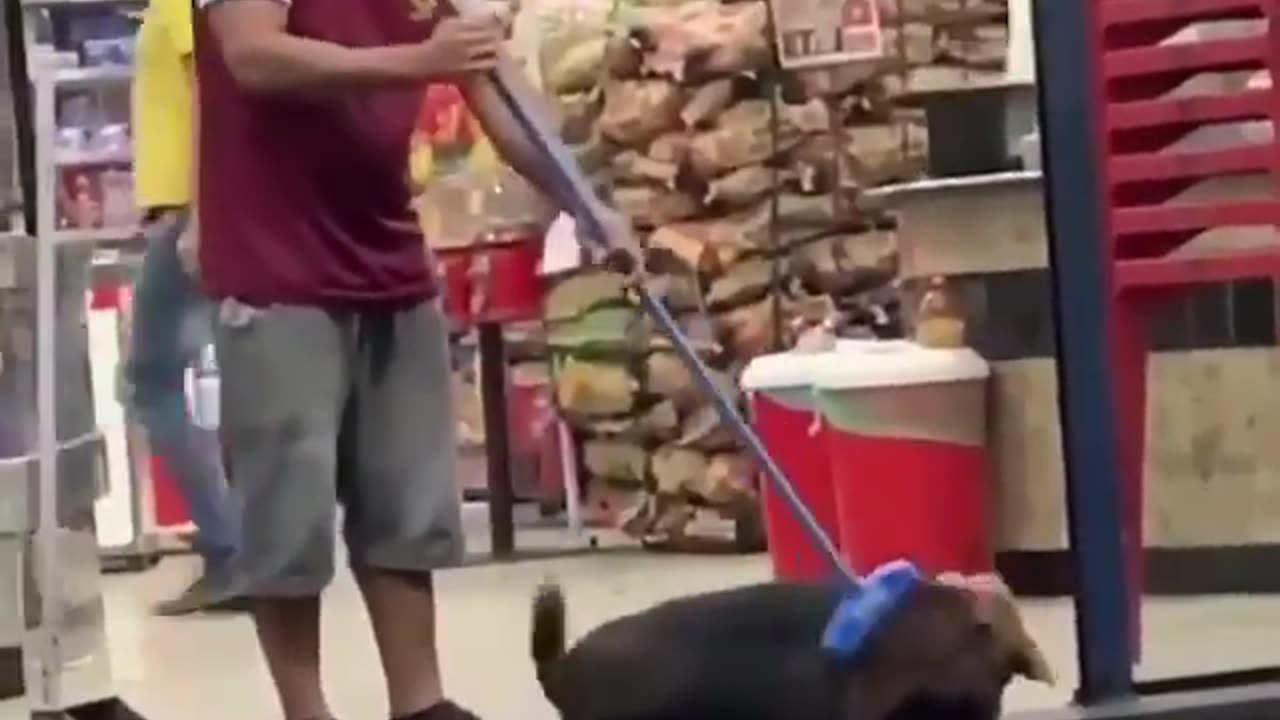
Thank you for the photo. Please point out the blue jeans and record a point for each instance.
(171, 324)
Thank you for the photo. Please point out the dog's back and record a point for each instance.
(746, 653)
(754, 653)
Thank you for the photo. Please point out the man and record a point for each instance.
(333, 351)
(167, 305)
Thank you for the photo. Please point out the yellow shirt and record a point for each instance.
(163, 106)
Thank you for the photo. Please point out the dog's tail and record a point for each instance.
(547, 637)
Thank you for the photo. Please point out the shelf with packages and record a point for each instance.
(111, 237)
(93, 78)
(92, 154)
(87, 82)
(69, 78)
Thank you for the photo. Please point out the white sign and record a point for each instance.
(822, 33)
(561, 250)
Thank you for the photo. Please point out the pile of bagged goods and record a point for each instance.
(742, 183)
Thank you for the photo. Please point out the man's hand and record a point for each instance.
(461, 46)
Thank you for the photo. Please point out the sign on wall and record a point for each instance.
(823, 33)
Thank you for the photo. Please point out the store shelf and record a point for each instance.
(81, 158)
(92, 77)
(115, 266)
(116, 256)
(107, 237)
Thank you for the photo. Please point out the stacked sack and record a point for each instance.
(944, 44)
(747, 206)
(679, 126)
(930, 45)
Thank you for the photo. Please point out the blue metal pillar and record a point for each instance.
(1081, 261)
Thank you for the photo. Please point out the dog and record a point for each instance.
(756, 653)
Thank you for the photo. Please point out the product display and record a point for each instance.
(94, 153)
(484, 227)
(93, 141)
(929, 46)
(741, 183)
(719, 177)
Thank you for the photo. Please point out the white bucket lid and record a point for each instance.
(898, 364)
(795, 369)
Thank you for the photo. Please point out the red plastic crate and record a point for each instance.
(1141, 121)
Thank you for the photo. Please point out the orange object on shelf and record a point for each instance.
(940, 321)
(445, 118)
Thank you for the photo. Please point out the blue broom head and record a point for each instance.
(866, 606)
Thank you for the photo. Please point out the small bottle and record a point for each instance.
(86, 211)
(117, 198)
(939, 320)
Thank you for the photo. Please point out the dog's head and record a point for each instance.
(946, 654)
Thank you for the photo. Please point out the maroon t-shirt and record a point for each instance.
(305, 200)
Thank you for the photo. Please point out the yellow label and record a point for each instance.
(421, 162)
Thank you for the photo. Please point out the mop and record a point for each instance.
(868, 601)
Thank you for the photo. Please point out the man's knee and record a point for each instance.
(423, 581)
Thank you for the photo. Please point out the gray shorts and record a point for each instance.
(326, 407)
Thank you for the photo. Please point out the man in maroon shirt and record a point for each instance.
(331, 345)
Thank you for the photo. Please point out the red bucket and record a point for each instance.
(783, 414)
(493, 281)
(455, 278)
(905, 431)
(783, 425)
(505, 283)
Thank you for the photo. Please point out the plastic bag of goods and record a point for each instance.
(574, 35)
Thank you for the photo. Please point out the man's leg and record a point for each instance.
(403, 515)
(165, 301)
(402, 610)
(284, 382)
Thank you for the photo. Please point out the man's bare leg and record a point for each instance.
(402, 610)
(289, 633)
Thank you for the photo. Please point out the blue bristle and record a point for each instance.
(866, 606)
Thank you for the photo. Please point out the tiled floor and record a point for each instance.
(208, 668)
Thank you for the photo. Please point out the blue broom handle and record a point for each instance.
(729, 413)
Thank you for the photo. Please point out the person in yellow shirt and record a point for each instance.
(171, 320)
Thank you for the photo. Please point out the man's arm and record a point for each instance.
(262, 54)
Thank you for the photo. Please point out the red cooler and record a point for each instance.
(780, 389)
(495, 280)
(454, 272)
(505, 283)
(905, 432)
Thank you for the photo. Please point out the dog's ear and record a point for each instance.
(995, 606)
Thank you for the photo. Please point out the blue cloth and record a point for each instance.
(866, 606)
(172, 322)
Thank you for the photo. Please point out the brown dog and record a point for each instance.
(755, 653)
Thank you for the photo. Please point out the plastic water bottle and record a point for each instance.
(205, 392)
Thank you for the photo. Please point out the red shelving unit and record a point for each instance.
(1144, 173)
